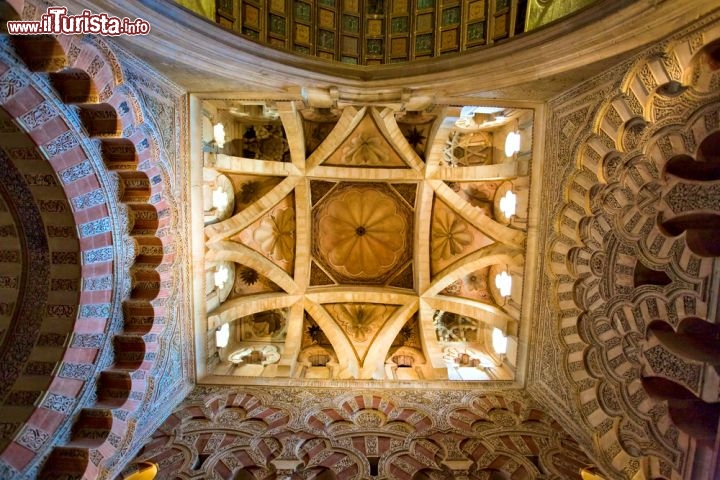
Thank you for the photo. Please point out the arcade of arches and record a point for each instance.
(226, 257)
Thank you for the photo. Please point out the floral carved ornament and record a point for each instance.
(365, 149)
(276, 234)
(450, 236)
(362, 232)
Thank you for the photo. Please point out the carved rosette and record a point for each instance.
(362, 232)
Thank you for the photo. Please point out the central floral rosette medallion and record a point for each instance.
(362, 232)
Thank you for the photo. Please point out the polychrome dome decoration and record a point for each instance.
(363, 232)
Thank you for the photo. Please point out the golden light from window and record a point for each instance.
(499, 341)
(508, 202)
(222, 336)
(512, 144)
(221, 276)
(219, 134)
(219, 198)
(503, 282)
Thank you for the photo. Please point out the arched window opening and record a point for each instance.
(499, 341)
(702, 232)
(503, 282)
(643, 275)
(512, 144)
(403, 361)
(690, 414)
(319, 360)
(685, 167)
(709, 150)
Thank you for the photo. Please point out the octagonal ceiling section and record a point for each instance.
(362, 234)
(360, 241)
(375, 32)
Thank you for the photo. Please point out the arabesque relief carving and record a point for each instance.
(218, 432)
(633, 250)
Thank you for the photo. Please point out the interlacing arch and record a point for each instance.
(360, 434)
(218, 435)
(632, 260)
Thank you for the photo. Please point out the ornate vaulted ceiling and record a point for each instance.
(351, 235)
(363, 242)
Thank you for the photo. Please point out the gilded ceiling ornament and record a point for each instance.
(450, 235)
(273, 148)
(451, 327)
(249, 192)
(357, 319)
(481, 196)
(476, 281)
(265, 142)
(464, 149)
(365, 149)
(415, 137)
(314, 332)
(454, 288)
(276, 234)
(248, 275)
(363, 232)
(268, 323)
(406, 333)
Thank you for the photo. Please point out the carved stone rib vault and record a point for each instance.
(357, 238)
(495, 264)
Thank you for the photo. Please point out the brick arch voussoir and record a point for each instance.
(515, 465)
(144, 185)
(697, 130)
(489, 402)
(604, 152)
(79, 179)
(173, 460)
(610, 120)
(404, 465)
(570, 456)
(674, 140)
(92, 55)
(255, 407)
(642, 81)
(135, 353)
(357, 403)
(344, 463)
(228, 462)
